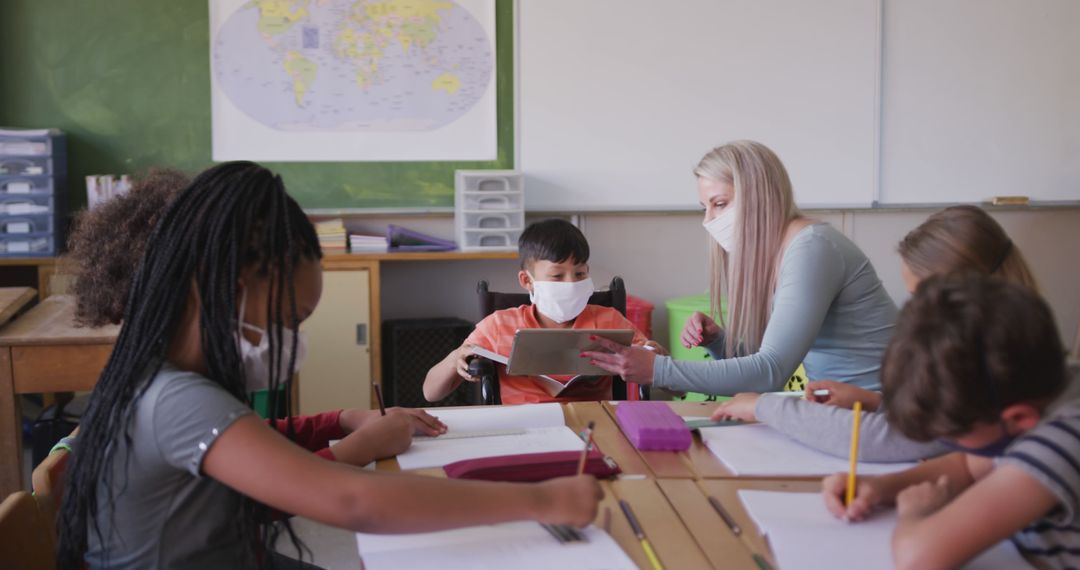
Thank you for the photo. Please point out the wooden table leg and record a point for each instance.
(10, 429)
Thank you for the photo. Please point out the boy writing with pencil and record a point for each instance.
(554, 257)
(977, 364)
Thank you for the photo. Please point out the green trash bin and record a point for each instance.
(679, 310)
(260, 402)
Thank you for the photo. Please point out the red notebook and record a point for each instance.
(532, 467)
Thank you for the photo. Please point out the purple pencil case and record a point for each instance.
(653, 426)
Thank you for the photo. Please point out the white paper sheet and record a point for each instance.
(803, 535)
(518, 545)
(759, 450)
(501, 417)
(435, 453)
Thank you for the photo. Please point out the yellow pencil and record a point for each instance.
(854, 454)
(640, 534)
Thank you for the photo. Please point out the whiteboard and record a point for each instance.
(980, 98)
(619, 99)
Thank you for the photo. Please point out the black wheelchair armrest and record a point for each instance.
(487, 389)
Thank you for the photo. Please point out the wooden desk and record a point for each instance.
(675, 544)
(41, 352)
(13, 300)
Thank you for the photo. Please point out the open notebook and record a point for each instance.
(758, 450)
(803, 535)
(550, 385)
(518, 545)
(488, 432)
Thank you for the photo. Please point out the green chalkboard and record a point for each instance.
(129, 82)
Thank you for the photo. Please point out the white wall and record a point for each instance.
(664, 255)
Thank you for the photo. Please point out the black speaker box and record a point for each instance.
(410, 348)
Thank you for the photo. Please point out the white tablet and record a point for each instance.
(558, 351)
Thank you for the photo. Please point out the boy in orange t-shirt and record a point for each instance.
(554, 270)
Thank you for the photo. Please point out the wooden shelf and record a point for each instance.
(419, 256)
(27, 261)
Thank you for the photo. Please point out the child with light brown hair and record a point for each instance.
(977, 364)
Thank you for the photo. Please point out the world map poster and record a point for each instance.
(353, 80)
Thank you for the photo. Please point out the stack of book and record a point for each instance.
(360, 243)
(331, 235)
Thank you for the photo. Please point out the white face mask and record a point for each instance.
(561, 301)
(722, 228)
(256, 359)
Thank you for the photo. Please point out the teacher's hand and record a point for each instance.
(700, 330)
(634, 364)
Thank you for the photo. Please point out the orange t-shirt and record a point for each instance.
(496, 333)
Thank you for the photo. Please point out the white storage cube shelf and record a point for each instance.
(26, 166)
(16, 185)
(26, 205)
(26, 146)
(19, 226)
(489, 209)
(28, 246)
(32, 175)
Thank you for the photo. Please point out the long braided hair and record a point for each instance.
(234, 216)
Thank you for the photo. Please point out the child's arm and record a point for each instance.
(423, 423)
(448, 374)
(384, 437)
(933, 532)
(250, 458)
(871, 492)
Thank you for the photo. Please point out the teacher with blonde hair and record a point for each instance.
(798, 291)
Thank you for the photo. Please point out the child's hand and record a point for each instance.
(464, 355)
(423, 423)
(843, 395)
(922, 500)
(656, 347)
(633, 363)
(741, 407)
(700, 330)
(569, 500)
(391, 433)
(377, 438)
(868, 494)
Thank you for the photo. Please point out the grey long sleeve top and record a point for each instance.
(830, 312)
(828, 429)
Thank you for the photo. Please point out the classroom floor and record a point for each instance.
(332, 548)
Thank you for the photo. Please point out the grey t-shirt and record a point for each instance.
(166, 513)
(829, 312)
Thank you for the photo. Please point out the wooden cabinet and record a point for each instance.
(338, 370)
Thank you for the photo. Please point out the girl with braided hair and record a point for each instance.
(174, 470)
(106, 245)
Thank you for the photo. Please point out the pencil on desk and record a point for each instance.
(378, 396)
(720, 510)
(585, 452)
(761, 562)
(854, 453)
(640, 534)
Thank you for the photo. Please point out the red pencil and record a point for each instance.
(585, 452)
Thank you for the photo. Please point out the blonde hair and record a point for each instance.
(764, 205)
(964, 238)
